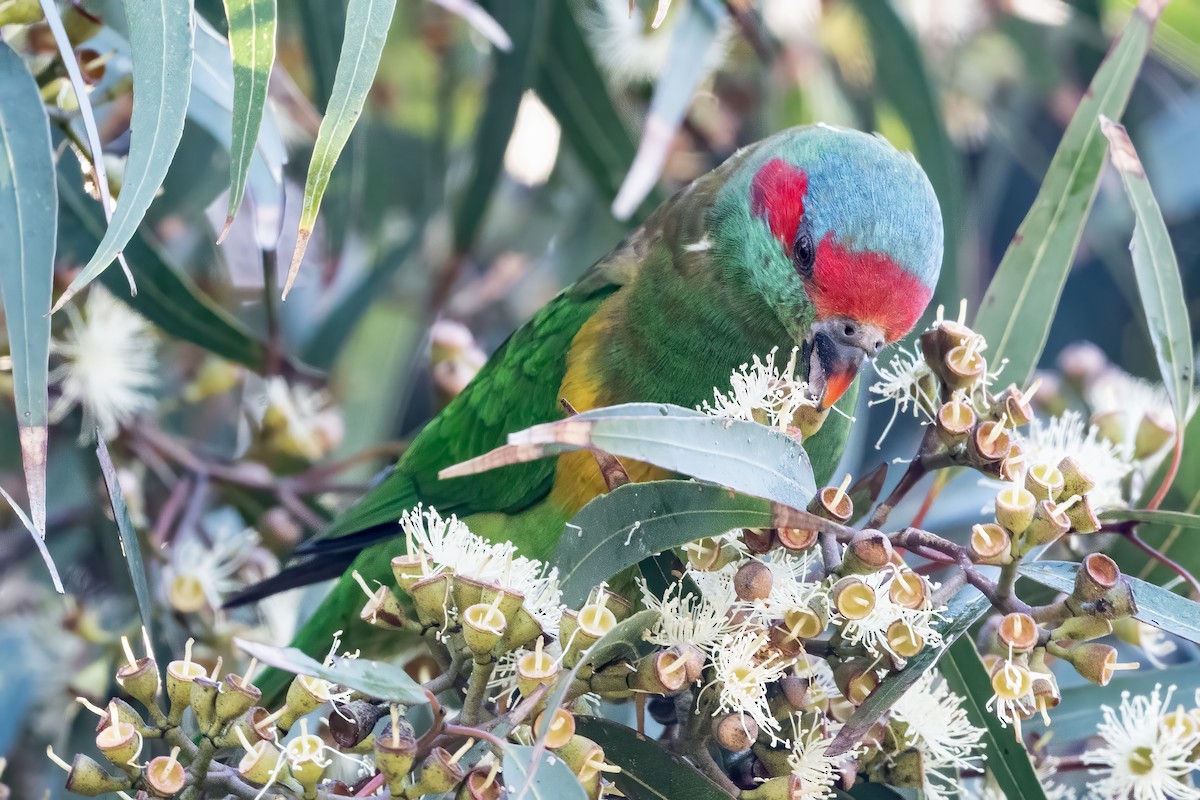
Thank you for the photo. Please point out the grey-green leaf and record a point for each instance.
(1020, 302)
(377, 679)
(1157, 273)
(648, 770)
(625, 640)
(131, 546)
(1006, 757)
(252, 47)
(546, 778)
(961, 612)
(619, 529)
(161, 46)
(28, 223)
(742, 455)
(367, 23)
(1155, 606)
(1175, 518)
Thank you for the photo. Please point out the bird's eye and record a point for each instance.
(804, 251)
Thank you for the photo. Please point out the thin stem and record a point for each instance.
(472, 711)
(1172, 471)
(1008, 580)
(1165, 560)
(915, 472)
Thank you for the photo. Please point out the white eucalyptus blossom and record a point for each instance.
(685, 619)
(789, 589)
(871, 631)
(1145, 756)
(744, 667)
(908, 383)
(809, 761)
(108, 367)
(762, 392)
(1048, 442)
(936, 723)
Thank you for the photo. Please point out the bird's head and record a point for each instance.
(835, 234)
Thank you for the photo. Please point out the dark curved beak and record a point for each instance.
(837, 349)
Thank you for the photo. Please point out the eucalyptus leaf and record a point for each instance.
(619, 529)
(967, 606)
(367, 23)
(161, 45)
(28, 224)
(1020, 302)
(252, 48)
(534, 773)
(741, 455)
(1005, 755)
(131, 546)
(377, 679)
(1156, 606)
(648, 770)
(1156, 517)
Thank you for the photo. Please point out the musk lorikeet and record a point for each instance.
(820, 237)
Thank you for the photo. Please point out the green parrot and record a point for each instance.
(818, 237)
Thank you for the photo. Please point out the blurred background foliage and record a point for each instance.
(478, 183)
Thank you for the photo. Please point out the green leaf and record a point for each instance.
(212, 107)
(624, 640)
(531, 772)
(160, 39)
(695, 31)
(1006, 757)
(903, 80)
(1155, 606)
(961, 612)
(28, 223)
(741, 455)
(168, 298)
(382, 681)
(1157, 273)
(1020, 302)
(367, 23)
(131, 546)
(252, 48)
(512, 73)
(571, 86)
(1176, 518)
(619, 529)
(648, 770)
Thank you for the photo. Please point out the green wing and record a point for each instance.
(517, 388)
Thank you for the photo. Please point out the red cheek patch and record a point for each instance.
(867, 287)
(777, 195)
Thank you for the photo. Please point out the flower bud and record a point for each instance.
(853, 598)
(1097, 576)
(709, 555)
(782, 787)
(796, 539)
(204, 701)
(483, 627)
(1082, 629)
(662, 673)
(431, 596)
(260, 764)
(1049, 524)
(583, 756)
(1044, 482)
(990, 544)
(383, 610)
(1017, 632)
(509, 601)
(395, 754)
(798, 624)
(560, 730)
(1076, 481)
(126, 714)
(1081, 363)
(735, 732)
(904, 770)
(1010, 680)
(440, 772)
(869, 551)
(795, 691)
(904, 640)
(752, 581)
(583, 630)
(856, 679)
(407, 570)
(909, 590)
(1153, 433)
(808, 420)
(1111, 426)
(140, 680)
(1096, 662)
(79, 24)
(20, 12)
(523, 628)
(237, 697)
(833, 503)
(955, 421)
(120, 743)
(1015, 507)
(351, 723)
(304, 695)
(180, 675)
(534, 669)
(1015, 404)
(990, 441)
(89, 779)
(481, 784)
(304, 759)
(165, 775)
(1012, 466)
(758, 541)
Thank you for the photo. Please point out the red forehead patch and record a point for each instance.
(777, 195)
(867, 287)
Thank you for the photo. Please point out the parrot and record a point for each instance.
(817, 237)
